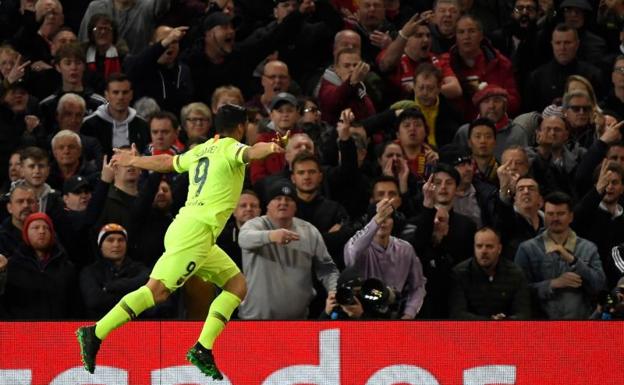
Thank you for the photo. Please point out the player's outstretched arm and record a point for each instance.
(160, 163)
(261, 150)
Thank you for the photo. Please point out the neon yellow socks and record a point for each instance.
(130, 306)
(220, 312)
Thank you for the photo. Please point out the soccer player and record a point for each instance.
(216, 172)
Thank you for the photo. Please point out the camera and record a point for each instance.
(346, 292)
(611, 304)
(376, 298)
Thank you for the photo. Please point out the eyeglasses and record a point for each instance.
(197, 120)
(580, 108)
(619, 69)
(314, 110)
(525, 8)
(103, 29)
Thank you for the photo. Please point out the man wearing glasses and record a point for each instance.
(578, 112)
(275, 79)
(517, 39)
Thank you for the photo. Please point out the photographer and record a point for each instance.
(356, 298)
(377, 254)
(611, 305)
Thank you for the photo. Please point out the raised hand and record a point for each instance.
(603, 177)
(108, 173)
(176, 34)
(410, 28)
(18, 70)
(506, 178)
(380, 39)
(122, 158)
(384, 210)
(344, 124)
(359, 73)
(429, 192)
(612, 133)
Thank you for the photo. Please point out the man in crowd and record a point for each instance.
(488, 287)
(374, 253)
(518, 39)
(563, 270)
(492, 103)
(164, 129)
(283, 124)
(248, 207)
(443, 237)
(282, 290)
(327, 215)
(115, 123)
(275, 79)
(342, 86)
(598, 216)
(70, 113)
(547, 82)
(443, 25)
(70, 62)
(67, 151)
(22, 202)
(475, 61)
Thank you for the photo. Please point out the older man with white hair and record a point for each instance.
(68, 160)
(70, 113)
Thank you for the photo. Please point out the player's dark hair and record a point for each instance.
(229, 117)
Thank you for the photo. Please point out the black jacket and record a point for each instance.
(172, 88)
(547, 82)
(324, 213)
(474, 296)
(39, 291)
(49, 104)
(514, 228)
(101, 129)
(599, 226)
(102, 284)
(10, 238)
(438, 260)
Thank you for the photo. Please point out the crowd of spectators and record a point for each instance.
(443, 158)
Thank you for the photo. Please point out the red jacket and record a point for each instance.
(273, 163)
(491, 67)
(336, 95)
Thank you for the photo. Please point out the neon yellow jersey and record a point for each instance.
(216, 174)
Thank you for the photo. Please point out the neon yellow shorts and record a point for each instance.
(190, 249)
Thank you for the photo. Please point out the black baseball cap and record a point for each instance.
(279, 188)
(74, 184)
(281, 98)
(216, 19)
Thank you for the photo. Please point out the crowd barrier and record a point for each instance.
(324, 353)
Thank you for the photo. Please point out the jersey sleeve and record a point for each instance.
(182, 162)
(234, 152)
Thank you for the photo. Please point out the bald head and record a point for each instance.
(347, 39)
